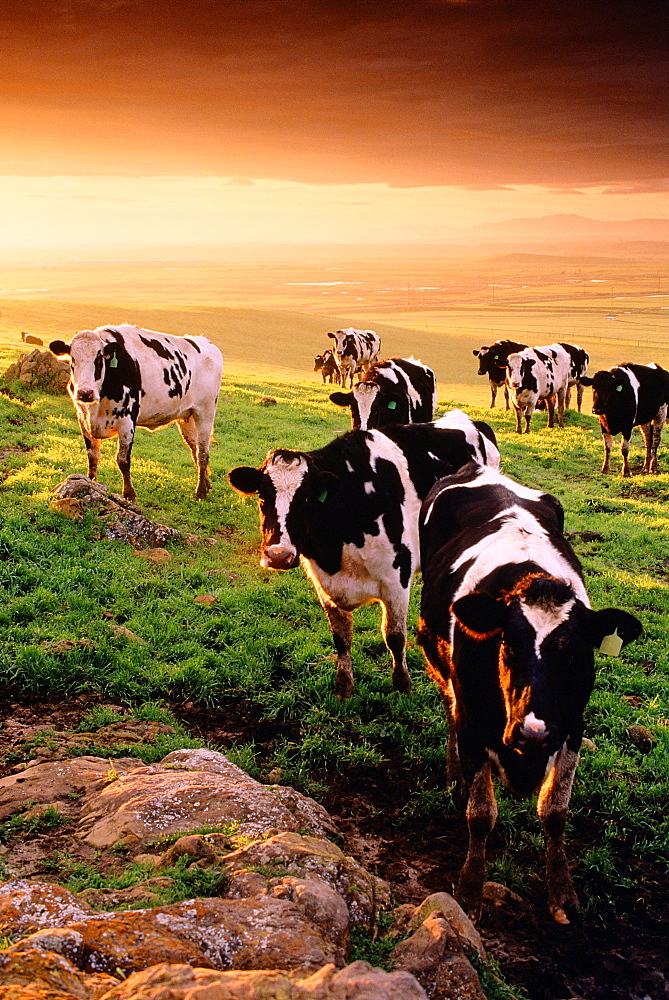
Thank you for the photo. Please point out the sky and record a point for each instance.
(325, 120)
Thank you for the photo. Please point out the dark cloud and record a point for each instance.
(480, 93)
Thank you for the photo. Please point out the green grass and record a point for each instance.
(265, 647)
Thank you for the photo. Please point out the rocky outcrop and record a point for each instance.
(40, 370)
(279, 927)
(120, 519)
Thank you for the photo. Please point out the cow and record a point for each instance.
(508, 634)
(629, 396)
(355, 349)
(326, 364)
(492, 362)
(396, 391)
(348, 513)
(123, 377)
(538, 373)
(579, 361)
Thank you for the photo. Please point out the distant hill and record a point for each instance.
(568, 228)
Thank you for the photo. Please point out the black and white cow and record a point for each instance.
(538, 373)
(348, 513)
(396, 391)
(580, 360)
(508, 635)
(326, 364)
(123, 377)
(355, 349)
(629, 396)
(492, 362)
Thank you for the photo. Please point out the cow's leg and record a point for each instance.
(580, 389)
(493, 394)
(341, 626)
(506, 396)
(394, 629)
(560, 406)
(196, 432)
(652, 434)
(126, 436)
(529, 410)
(608, 445)
(550, 408)
(552, 806)
(481, 817)
(624, 451)
(647, 431)
(93, 453)
(519, 414)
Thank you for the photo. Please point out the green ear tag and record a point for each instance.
(322, 497)
(619, 388)
(611, 644)
(113, 361)
(392, 405)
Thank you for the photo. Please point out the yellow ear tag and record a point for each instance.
(611, 644)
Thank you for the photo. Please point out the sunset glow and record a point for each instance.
(325, 122)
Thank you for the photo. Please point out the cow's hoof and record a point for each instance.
(344, 687)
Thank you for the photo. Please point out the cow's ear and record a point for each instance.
(480, 614)
(332, 335)
(245, 479)
(323, 485)
(341, 398)
(610, 621)
(59, 348)
(585, 380)
(476, 353)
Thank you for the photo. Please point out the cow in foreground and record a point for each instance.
(396, 391)
(348, 513)
(123, 377)
(626, 397)
(508, 635)
(326, 364)
(355, 349)
(538, 373)
(492, 362)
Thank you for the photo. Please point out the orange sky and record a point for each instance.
(486, 102)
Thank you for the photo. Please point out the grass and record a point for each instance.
(264, 647)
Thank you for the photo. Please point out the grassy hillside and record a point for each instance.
(260, 656)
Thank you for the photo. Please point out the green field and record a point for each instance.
(259, 659)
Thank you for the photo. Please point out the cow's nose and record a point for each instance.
(86, 395)
(279, 557)
(532, 733)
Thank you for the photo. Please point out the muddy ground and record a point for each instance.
(622, 954)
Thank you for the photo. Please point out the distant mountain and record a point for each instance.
(562, 227)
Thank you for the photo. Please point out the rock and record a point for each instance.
(61, 781)
(196, 847)
(358, 981)
(40, 369)
(469, 939)
(206, 599)
(47, 976)
(432, 954)
(309, 857)
(191, 788)
(28, 907)
(267, 401)
(320, 904)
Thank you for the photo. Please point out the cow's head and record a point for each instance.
(372, 407)
(319, 361)
(292, 494)
(546, 640)
(487, 359)
(609, 390)
(344, 344)
(89, 355)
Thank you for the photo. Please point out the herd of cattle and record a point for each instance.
(506, 626)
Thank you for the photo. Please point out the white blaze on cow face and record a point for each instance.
(87, 365)
(545, 620)
(286, 478)
(364, 394)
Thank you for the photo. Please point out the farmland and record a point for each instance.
(252, 671)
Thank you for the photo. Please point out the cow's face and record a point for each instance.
(546, 663)
(519, 372)
(344, 344)
(89, 354)
(609, 389)
(485, 357)
(289, 491)
(319, 361)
